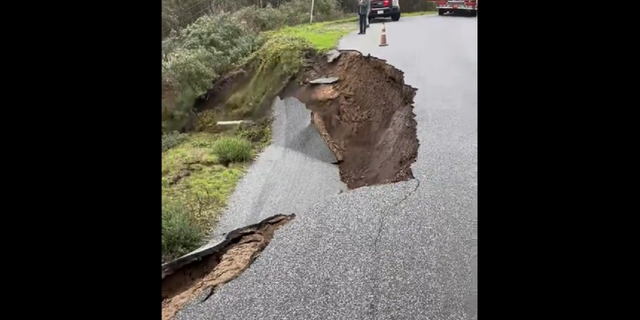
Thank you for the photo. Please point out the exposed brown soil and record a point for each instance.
(366, 117)
(188, 278)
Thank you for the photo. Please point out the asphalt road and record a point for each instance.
(399, 251)
(293, 173)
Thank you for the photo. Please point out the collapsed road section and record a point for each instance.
(364, 111)
(189, 277)
(361, 108)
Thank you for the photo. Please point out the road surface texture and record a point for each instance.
(397, 251)
(292, 174)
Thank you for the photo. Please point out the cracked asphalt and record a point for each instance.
(290, 175)
(400, 251)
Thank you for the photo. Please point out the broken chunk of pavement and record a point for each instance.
(332, 55)
(197, 275)
(329, 80)
(235, 122)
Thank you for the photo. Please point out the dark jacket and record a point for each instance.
(365, 9)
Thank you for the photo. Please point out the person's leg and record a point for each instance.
(361, 22)
(367, 19)
(364, 23)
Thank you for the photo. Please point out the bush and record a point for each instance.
(190, 68)
(261, 19)
(180, 231)
(172, 139)
(180, 114)
(218, 42)
(256, 133)
(214, 44)
(193, 60)
(232, 150)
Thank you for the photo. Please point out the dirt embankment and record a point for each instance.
(366, 117)
(189, 278)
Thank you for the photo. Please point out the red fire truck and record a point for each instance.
(465, 7)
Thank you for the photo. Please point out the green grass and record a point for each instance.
(231, 149)
(196, 185)
(322, 36)
(180, 230)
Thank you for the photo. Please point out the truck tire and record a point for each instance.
(440, 12)
(395, 17)
(473, 13)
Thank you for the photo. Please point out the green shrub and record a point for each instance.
(232, 150)
(191, 69)
(207, 48)
(173, 139)
(257, 133)
(194, 59)
(180, 231)
(261, 19)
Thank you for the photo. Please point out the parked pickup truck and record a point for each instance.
(468, 7)
(385, 9)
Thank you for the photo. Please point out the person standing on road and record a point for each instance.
(363, 13)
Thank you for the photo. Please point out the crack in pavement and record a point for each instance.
(374, 288)
(186, 278)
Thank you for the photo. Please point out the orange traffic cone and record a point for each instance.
(383, 37)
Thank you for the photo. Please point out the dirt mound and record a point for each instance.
(188, 278)
(366, 117)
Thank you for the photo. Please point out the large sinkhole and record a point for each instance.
(365, 115)
(364, 111)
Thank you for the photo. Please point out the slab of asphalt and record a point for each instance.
(319, 266)
(293, 173)
(399, 251)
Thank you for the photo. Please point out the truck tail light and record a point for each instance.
(386, 2)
